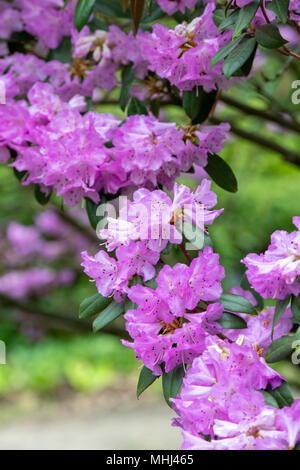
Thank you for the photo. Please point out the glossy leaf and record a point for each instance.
(282, 395)
(171, 383)
(280, 308)
(237, 303)
(137, 9)
(295, 307)
(127, 79)
(280, 8)
(225, 51)
(136, 107)
(109, 314)
(40, 196)
(238, 57)
(279, 349)
(146, 379)
(268, 35)
(197, 104)
(93, 305)
(221, 173)
(229, 320)
(83, 11)
(245, 16)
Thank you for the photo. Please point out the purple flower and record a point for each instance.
(274, 273)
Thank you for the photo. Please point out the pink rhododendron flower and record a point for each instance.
(274, 273)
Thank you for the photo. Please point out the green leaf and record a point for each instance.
(280, 348)
(109, 314)
(245, 16)
(269, 399)
(268, 36)
(295, 306)
(194, 235)
(229, 320)
(146, 379)
(237, 303)
(221, 173)
(246, 286)
(282, 395)
(297, 446)
(171, 383)
(237, 58)
(228, 21)
(93, 305)
(197, 103)
(40, 196)
(91, 209)
(136, 107)
(63, 53)
(280, 8)
(218, 16)
(83, 11)
(280, 307)
(127, 79)
(224, 51)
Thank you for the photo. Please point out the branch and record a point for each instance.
(260, 113)
(288, 155)
(57, 321)
(76, 224)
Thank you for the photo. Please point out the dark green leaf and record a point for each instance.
(83, 11)
(282, 395)
(280, 8)
(269, 399)
(93, 305)
(40, 196)
(237, 303)
(246, 286)
(245, 16)
(295, 306)
(109, 314)
(228, 21)
(229, 320)
(197, 103)
(237, 58)
(268, 35)
(146, 378)
(224, 51)
(221, 173)
(91, 209)
(218, 16)
(136, 107)
(280, 348)
(297, 446)
(63, 53)
(171, 383)
(112, 8)
(127, 79)
(280, 307)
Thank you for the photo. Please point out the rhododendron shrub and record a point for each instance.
(156, 266)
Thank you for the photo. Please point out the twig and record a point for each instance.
(288, 155)
(260, 113)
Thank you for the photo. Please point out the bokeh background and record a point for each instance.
(65, 387)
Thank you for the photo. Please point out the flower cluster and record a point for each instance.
(183, 55)
(221, 408)
(60, 149)
(167, 327)
(274, 273)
